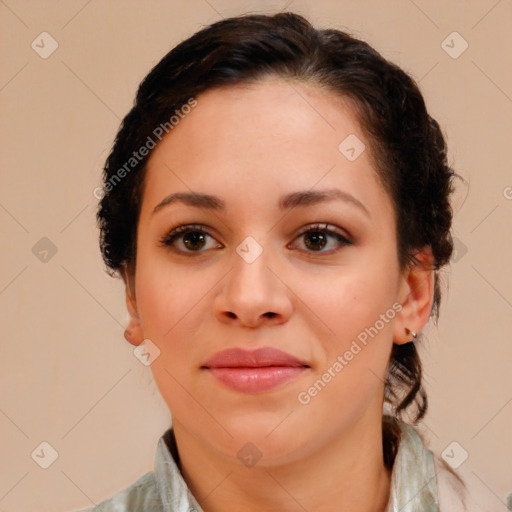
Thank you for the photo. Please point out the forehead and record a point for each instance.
(255, 140)
(267, 113)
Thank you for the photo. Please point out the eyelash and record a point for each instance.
(168, 239)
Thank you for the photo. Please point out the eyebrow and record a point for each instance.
(287, 202)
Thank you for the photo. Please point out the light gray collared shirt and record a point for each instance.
(413, 482)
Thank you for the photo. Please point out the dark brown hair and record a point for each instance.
(407, 146)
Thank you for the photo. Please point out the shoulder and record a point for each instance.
(140, 496)
(423, 478)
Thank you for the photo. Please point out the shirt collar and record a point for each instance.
(173, 490)
(413, 479)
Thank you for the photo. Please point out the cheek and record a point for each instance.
(355, 334)
(170, 313)
(174, 303)
(352, 362)
(348, 301)
(167, 295)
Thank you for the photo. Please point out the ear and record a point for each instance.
(133, 332)
(416, 295)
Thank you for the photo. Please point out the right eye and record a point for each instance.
(192, 238)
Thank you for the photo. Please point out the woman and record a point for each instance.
(277, 204)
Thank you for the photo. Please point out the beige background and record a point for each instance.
(69, 378)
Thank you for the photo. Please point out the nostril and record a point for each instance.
(270, 314)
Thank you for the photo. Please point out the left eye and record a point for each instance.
(316, 237)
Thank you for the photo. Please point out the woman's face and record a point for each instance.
(330, 300)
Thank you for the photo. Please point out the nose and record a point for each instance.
(254, 294)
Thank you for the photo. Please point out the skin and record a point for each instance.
(250, 145)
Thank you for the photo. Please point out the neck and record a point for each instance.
(347, 474)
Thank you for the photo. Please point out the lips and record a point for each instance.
(266, 356)
(254, 371)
